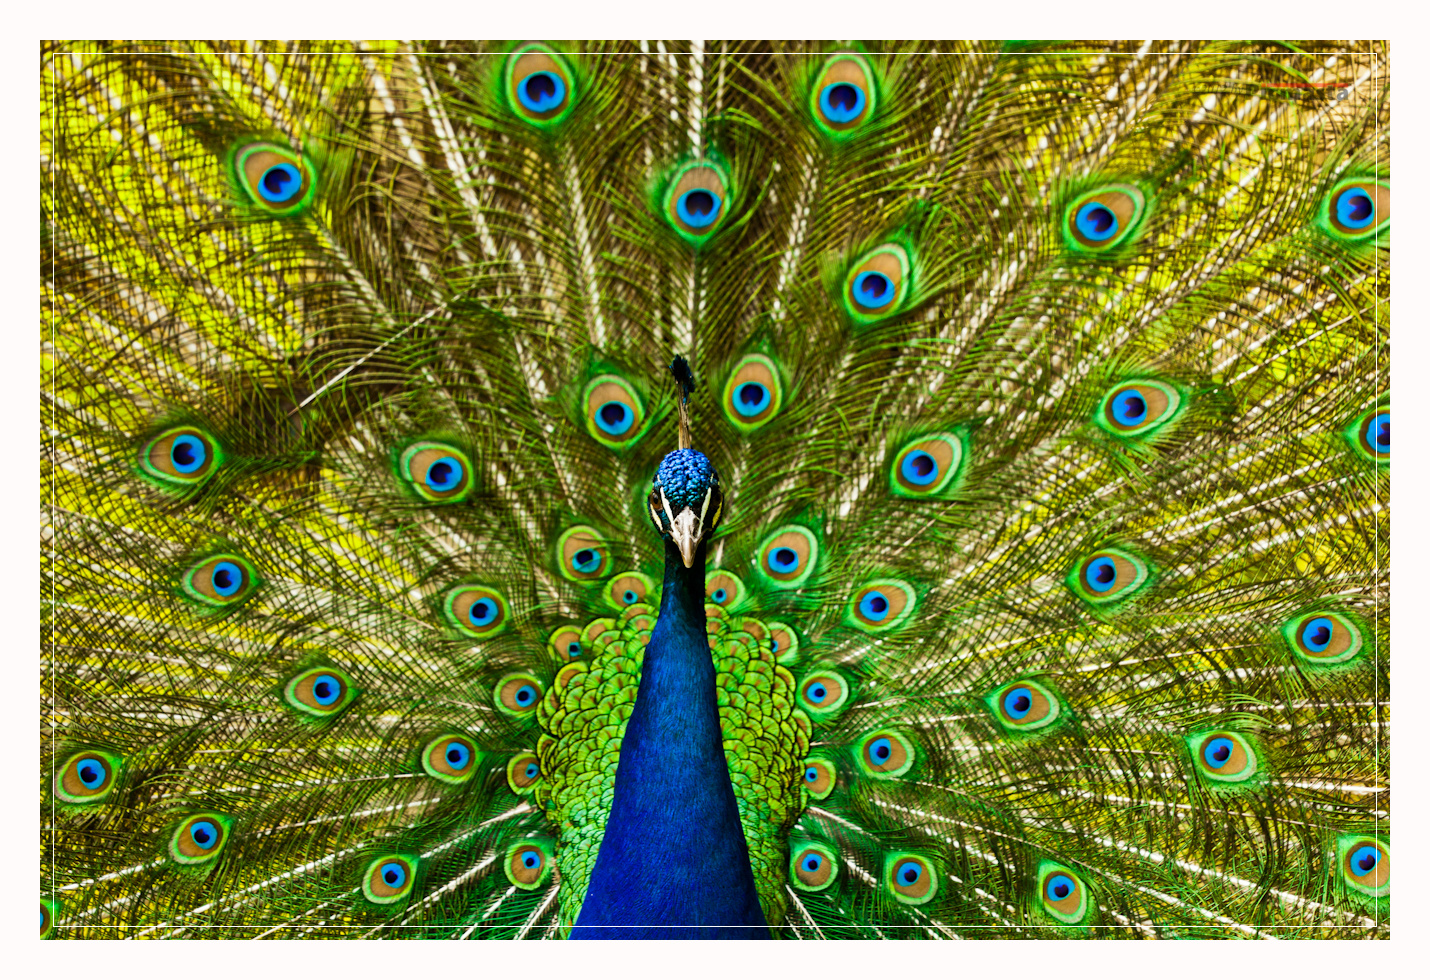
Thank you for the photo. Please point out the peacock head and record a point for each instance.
(685, 500)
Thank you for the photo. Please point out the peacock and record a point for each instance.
(715, 489)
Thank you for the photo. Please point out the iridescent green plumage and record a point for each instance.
(1047, 384)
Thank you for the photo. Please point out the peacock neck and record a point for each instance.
(673, 863)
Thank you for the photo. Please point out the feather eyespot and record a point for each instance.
(518, 694)
(523, 772)
(390, 879)
(1224, 757)
(910, 878)
(49, 912)
(320, 692)
(881, 605)
(788, 556)
(723, 589)
(813, 867)
(182, 457)
(1365, 865)
(438, 472)
(200, 838)
(927, 466)
(753, 393)
(1135, 408)
(885, 754)
(614, 415)
(1107, 576)
(1024, 706)
(1062, 893)
(565, 644)
(476, 610)
(220, 581)
(1104, 218)
(451, 759)
(528, 864)
(1356, 210)
(1370, 435)
(783, 642)
(540, 86)
(87, 777)
(1324, 638)
(697, 201)
(818, 777)
(878, 284)
(582, 554)
(275, 179)
(629, 589)
(843, 97)
(822, 694)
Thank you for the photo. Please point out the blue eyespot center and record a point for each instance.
(1217, 752)
(874, 605)
(204, 834)
(1355, 209)
(1060, 887)
(279, 183)
(909, 872)
(326, 689)
(1101, 574)
(1365, 859)
(615, 418)
(227, 578)
(586, 560)
(458, 755)
(784, 560)
(1018, 702)
(1379, 432)
(187, 454)
(1129, 408)
(1317, 633)
(1096, 222)
(919, 468)
(541, 91)
(751, 398)
(483, 612)
(525, 695)
(811, 774)
(573, 649)
(444, 474)
(394, 874)
(841, 102)
(720, 595)
(532, 770)
(92, 773)
(881, 749)
(698, 207)
(813, 862)
(873, 290)
(818, 693)
(530, 859)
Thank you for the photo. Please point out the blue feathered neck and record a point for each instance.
(673, 863)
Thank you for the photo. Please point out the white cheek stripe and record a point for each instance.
(665, 502)
(705, 505)
(656, 517)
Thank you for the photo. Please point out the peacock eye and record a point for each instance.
(1135, 408)
(724, 589)
(614, 414)
(1024, 706)
(540, 87)
(1224, 757)
(523, 772)
(788, 556)
(1062, 893)
(87, 777)
(219, 582)
(582, 554)
(927, 466)
(320, 692)
(1365, 865)
(910, 878)
(696, 202)
(628, 589)
(450, 759)
(881, 605)
(438, 472)
(518, 694)
(528, 864)
(389, 879)
(813, 867)
(818, 777)
(182, 457)
(1370, 435)
(199, 839)
(885, 754)
(1356, 209)
(877, 285)
(476, 611)
(1103, 218)
(823, 693)
(1322, 638)
(1108, 575)
(753, 394)
(274, 178)
(565, 643)
(843, 96)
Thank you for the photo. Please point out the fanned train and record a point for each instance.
(1004, 555)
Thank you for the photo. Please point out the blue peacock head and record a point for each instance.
(685, 499)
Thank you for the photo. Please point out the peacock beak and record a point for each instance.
(686, 531)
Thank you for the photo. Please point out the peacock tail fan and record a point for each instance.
(1048, 390)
